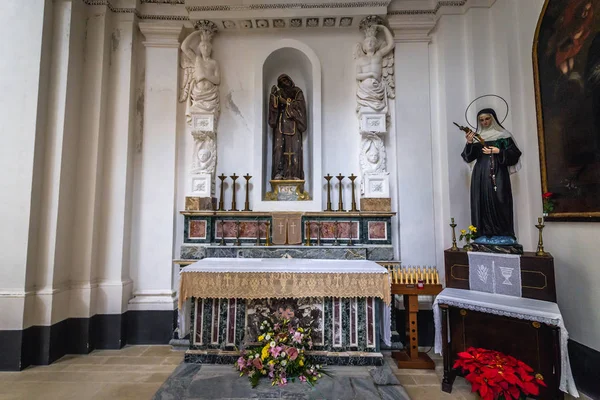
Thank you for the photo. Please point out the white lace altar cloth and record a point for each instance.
(544, 312)
(260, 278)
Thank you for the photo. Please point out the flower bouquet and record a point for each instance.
(280, 355)
(495, 375)
(547, 202)
(468, 236)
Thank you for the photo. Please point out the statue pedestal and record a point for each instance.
(287, 190)
(376, 185)
(371, 121)
(498, 248)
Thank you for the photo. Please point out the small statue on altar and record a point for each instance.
(374, 67)
(287, 117)
(201, 76)
(497, 157)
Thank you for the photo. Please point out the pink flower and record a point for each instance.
(275, 351)
(257, 363)
(292, 352)
(282, 382)
(241, 362)
(297, 337)
(302, 378)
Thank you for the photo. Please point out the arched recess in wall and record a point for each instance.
(301, 63)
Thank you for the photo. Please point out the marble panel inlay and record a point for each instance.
(337, 322)
(308, 311)
(197, 229)
(370, 322)
(215, 321)
(198, 321)
(232, 308)
(377, 230)
(330, 253)
(353, 325)
(328, 230)
(248, 229)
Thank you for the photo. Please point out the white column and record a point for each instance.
(413, 142)
(90, 163)
(114, 284)
(156, 210)
(24, 28)
(59, 171)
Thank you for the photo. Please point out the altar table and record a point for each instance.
(230, 296)
(543, 317)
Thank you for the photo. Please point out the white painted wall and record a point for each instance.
(489, 51)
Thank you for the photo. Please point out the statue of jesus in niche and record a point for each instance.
(287, 117)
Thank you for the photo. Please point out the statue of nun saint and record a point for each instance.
(491, 193)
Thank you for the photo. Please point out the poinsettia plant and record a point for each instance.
(495, 375)
(280, 355)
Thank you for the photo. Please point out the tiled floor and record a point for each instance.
(136, 372)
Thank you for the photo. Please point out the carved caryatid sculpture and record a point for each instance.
(201, 76)
(200, 92)
(374, 67)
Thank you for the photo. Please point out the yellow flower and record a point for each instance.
(272, 362)
(261, 338)
(265, 352)
(301, 363)
(300, 330)
(463, 231)
(472, 228)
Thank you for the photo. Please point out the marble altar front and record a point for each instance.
(345, 317)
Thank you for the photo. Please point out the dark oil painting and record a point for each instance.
(566, 57)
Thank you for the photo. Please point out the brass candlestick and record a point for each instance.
(268, 233)
(328, 178)
(233, 205)
(257, 232)
(340, 177)
(336, 230)
(222, 242)
(352, 177)
(350, 231)
(453, 225)
(540, 249)
(247, 202)
(222, 177)
(237, 233)
(319, 233)
(307, 241)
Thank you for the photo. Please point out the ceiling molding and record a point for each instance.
(288, 6)
(432, 11)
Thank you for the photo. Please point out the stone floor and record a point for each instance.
(137, 372)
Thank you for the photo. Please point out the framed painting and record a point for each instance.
(566, 61)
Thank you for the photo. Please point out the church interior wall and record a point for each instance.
(474, 54)
(96, 174)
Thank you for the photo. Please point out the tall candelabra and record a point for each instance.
(233, 205)
(268, 233)
(540, 249)
(453, 225)
(340, 177)
(328, 178)
(352, 177)
(222, 177)
(247, 202)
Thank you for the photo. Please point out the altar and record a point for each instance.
(345, 302)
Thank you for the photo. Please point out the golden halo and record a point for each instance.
(487, 106)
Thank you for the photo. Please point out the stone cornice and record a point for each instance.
(413, 28)
(161, 34)
(253, 14)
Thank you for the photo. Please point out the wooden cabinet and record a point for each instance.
(531, 342)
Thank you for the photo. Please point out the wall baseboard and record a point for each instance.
(42, 345)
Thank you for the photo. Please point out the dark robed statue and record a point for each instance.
(287, 117)
(491, 193)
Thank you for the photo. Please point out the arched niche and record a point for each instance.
(300, 62)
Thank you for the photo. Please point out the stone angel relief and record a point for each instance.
(372, 155)
(201, 75)
(374, 67)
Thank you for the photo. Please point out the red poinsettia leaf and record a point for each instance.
(541, 382)
(511, 378)
(483, 390)
(530, 388)
(465, 354)
(524, 366)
